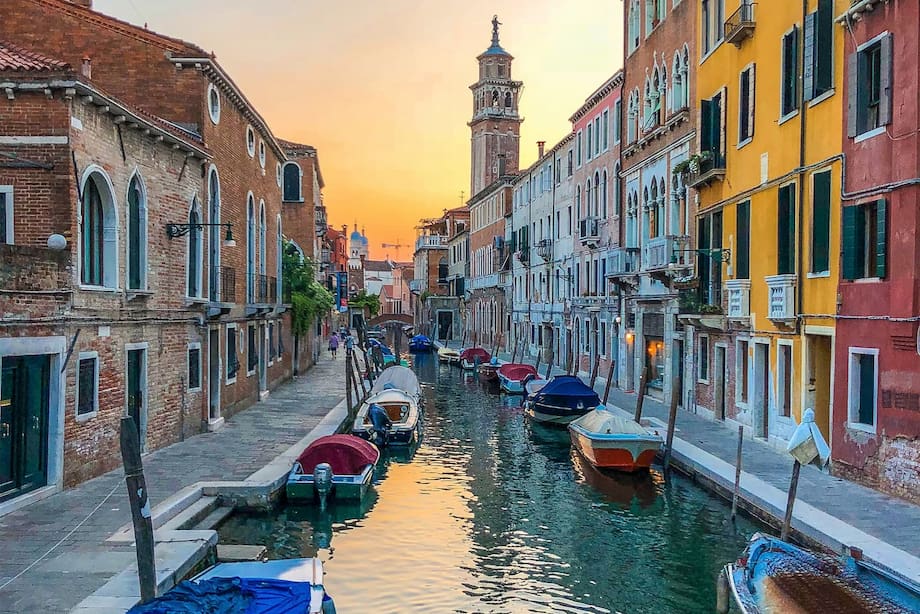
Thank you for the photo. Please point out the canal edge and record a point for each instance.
(181, 552)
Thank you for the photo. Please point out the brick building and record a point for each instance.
(188, 328)
(488, 257)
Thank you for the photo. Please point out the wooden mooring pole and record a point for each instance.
(672, 422)
(539, 356)
(613, 364)
(140, 508)
(790, 501)
(514, 353)
(597, 365)
(737, 490)
(549, 365)
(642, 383)
(348, 376)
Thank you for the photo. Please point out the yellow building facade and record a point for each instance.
(767, 178)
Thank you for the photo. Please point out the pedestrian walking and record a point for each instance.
(333, 344)
(349, 342)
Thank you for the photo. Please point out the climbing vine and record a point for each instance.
(309, 299)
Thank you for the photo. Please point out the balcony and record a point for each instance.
(223, 289)
(782, 298)
(589, 302)
(415, 285)
(589, 229)
(484, 281)
(623, 261)
(262, 290)
(322, 222)
(666, 253)
(739, 299)
(705, 168)
(431, 242)
(545, 249)
(740, 24)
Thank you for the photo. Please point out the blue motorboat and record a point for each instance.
(420, 344)
(563, 399)
(775, 576)
(281, 587)
(374, 343)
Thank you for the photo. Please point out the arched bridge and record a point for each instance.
(384, 318)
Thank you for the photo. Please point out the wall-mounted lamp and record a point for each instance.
(180, 230)
(617, 320)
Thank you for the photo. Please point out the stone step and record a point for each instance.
(229, 553)
(191, 515)
(214, 519)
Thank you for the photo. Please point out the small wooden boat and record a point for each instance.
(401, 378)
(488, 372)
(402, 409)
(608, 441)
(420, 343)
(775, 576)
(512, 377)
(563, 399)
(286, 585)
(351, 461)
(448, 355)
(470, 358)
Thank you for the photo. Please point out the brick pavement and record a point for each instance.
(84, 562)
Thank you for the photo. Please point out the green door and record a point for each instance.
(135, 390)
(24, 395)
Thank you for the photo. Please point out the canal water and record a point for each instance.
(494, 514)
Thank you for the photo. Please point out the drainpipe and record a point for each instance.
(800, 253)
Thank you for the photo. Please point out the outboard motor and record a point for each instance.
(322, 482)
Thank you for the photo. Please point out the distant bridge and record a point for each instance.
(385, 318)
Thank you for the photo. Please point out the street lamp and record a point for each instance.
(807, 446)
(179, 230)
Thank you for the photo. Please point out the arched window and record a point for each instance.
(597, 200)
(214, 235)
(508, 100)
(251, 241)
(685, 78)
(494, 98)
(677, 97)
(662, 193)
(293, 190)
(604, 194)
(98, 233)
(578, 202)
(589, 201)
(651, 203)
(262, 231)
(137, 235)
(193, 264)
(617, 192)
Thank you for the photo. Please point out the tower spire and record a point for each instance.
(495, 24)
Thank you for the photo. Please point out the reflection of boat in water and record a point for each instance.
(775, 576)
(614, 442)
(616, 487)
(337, 517)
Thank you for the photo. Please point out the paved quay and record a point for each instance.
(84, 561)
(829, 510)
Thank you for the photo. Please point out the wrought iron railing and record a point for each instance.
(740, 24)
(227, 284)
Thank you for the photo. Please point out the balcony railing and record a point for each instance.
(589, 229)
(782, 297)
(707, 171)
(740, 24)
(666, 252)
(430, 241)
(623, 261)
(227, 284)
(545, 249)
(484, 281)
(739, 298)
(415, 285)
(263, 289)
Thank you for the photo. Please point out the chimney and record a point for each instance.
(87, 4)
(541, 145)
(86, 69)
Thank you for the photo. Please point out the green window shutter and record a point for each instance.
(808, 76)
(790, 72)
(743, 241)
(821, 221)
(852, 243)
(884, 106)
(785, 244)
(705, 127)
(881, 260)
(852, 94)
(824, 47)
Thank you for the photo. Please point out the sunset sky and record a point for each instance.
(380, 88)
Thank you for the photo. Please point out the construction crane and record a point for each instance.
(397, 246)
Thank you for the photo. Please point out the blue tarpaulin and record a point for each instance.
(570, 387)
(231, 596)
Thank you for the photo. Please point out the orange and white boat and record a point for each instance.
(608, 441)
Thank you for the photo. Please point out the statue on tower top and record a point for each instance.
(495, 24)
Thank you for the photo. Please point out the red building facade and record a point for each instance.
(876, 404)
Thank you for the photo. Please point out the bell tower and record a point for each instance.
(496, 125)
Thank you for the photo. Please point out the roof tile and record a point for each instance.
(19, 59)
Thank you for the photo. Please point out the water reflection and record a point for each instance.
(495, 514)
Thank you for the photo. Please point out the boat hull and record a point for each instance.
(510, 386)
(301, 488)
(627, 453)
(488, 373)
(553, 414)
(401, 436)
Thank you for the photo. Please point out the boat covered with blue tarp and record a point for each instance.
(563, 399)
(420, 343)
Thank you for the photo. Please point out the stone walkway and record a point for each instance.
(84, 562)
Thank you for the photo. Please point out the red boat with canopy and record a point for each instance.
(470, 357)
(351, 459)
(512, 376)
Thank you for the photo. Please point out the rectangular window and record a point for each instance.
(820, 222)
(6, 214)
(785, 226)
(712, 22)
(233, 363)
(606, 129)
(789, 85)
(863, 388)
(569, 165)
(703, 357)
(590, 133)
(597, 135)
(743, 239)
(578, 149)
(272, 354)
(741, 373)
(617, 120)
(88, 384)
(712, 130)
(818, 76)
(603, 339)
(194, 366)
(869, 73)
(784, 386)
(865, 240)
(746, 105)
